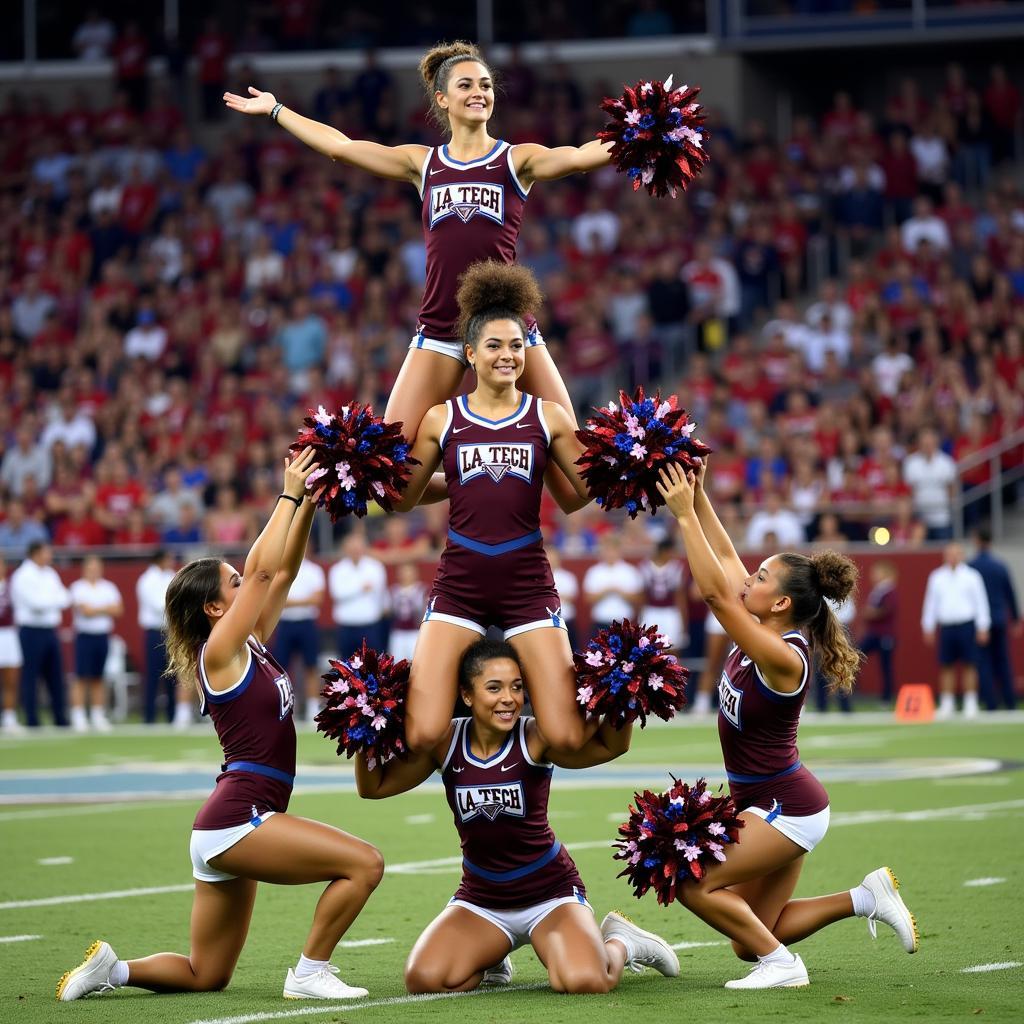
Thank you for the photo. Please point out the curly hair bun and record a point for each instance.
(432, 60)
(836, 574)
(501, 288)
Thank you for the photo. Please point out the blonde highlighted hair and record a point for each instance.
(436, 67)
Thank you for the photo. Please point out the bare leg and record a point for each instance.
(551, 681)
(313, 686)
(221, 912)
(425, 379)
(969, 678)
(947, 680)
(453, 952)
(287, 850)
(9, 687)
(78, 691)
(97, 695)
(569, 944)
(433, 681)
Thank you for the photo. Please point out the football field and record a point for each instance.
(95, 845)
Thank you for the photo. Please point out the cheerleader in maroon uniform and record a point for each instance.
(774, 617)
(519, 884)
(663, 577)
(494, 445)
(217, 625)
(473, 192)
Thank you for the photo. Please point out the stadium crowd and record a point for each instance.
(172, 298)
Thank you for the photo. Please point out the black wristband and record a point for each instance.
(288, 497)
(276, 112)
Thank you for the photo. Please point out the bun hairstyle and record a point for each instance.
(478, 654)
(810, 583)
(436, 68)
(490, 290)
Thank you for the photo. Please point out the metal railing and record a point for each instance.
(1000, 478)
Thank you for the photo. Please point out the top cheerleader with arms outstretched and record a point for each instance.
(775, 617)
(474, 191)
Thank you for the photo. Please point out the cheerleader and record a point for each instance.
(776, 617)
(217, 623)
(664, 598)
(408, 600)
(494, 445)
(519, 884)
(473, 191)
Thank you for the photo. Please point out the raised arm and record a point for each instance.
(565, 450)
(399, 776)
(427, 450)
(401, 163)
(229, 633)
(294, 552)
(720, 541)
(534, 162)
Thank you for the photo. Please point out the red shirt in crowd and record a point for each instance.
(131, 51)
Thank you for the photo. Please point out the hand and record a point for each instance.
(295, 472)
(676, 487)
(982, 637)
(929, 637)
(258, 103)
(700, 472)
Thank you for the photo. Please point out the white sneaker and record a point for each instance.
(99, 721)
(499, 974)
(91, 976)
(321, 985)
(971, 708)
(12, 727)
(79, 721)
(946, 710)
(764, 975)
(890, 908)
(182, 716)
(649, 950)
(702, 705)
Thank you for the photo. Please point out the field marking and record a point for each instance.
(310, 1011)
(90, 897)
(65, 812)
(420, 819)
(964, 811)
(19, 938)
(357, 943)
(978, 883)
(695, 945)
(985, 968)
(50, 862)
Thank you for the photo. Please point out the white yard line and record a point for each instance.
(979, 883)
(985, 968)
(50, 862)
(89, 897)
(19, 938)
(420, 819)
(358, 943)
(343, 1008)
(695, 945)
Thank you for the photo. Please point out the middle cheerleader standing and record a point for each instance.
(495, 444)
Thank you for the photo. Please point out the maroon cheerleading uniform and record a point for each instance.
(661, 583)
(471, 211)
(493, 571)
(407, 604)
(757, 727)
(254, 724)
(510, 856)
(6, 605)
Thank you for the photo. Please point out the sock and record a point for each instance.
(10, 717)
(183, 712)
(946, 701)
(780, 956)
(305, 967)
(970, 702)
(78, 716)
(97, 714)
(702, 704)
(627, 942)
(863, 901)
(119, 974)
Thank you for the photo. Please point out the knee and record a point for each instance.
(372, 867)
(214, 981)
(421, 979)
(577, 982)
(743, 953)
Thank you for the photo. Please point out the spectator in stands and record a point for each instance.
(96, 605)
(39, 598)
(358, 586)
(298, 630)
(931, 475)
(924, 226)
(19, 531)
(212, 50)
(931, 155)
(995, 669)
(774, 518)
(10, 659)
(880, 623)
(956, 609)
(31, 308)
(714, 295)
(94, 37)
(1003, 105)
(612, 586)
(79, 528)
(131, 59)
(165, 507)
(187, 530)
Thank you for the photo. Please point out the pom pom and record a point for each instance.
(625, 446)
(658, 136)
(673, 836)
(360, 458)
(364, 706)
(627, 674)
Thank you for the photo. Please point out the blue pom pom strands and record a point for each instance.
(364, 707)
(674, 836)
(627, 674)
(658, 136)
(626, 445)
(361, 459)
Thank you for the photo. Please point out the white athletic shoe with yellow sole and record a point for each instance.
(890, 908)
(649, 950)
(91, 976)
(792, 975)
(322, 984)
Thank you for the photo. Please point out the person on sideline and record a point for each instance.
(218, 622)
(880, 619)
(778, 618)
(10, 659)
(408, 600)
(995, 670)
(612, 585)
(663, 577)
(39, 598)
(358, 584)
(519, 884)
(298, 632)
(96, 604)
(956, 610)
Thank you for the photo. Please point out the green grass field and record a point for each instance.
(942, 804)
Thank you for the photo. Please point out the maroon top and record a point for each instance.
(6, 607)
(254, 724)
(511, 857)
(662, 583)
(883, 598)
(471, 211)
(407, 605)
(757, 727)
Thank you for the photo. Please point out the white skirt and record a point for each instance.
(10, 647)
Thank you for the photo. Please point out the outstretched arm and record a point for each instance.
(401, 163)
(720, 541)
(399, 776)
(605, 745)
(294, 551)
(540, 163)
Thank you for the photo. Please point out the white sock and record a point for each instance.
(305, 967)
(97, 714)
(10, 717)
(970, 702)
(119, 974)
(702, 704)
(780, 955)
(863, 901)
(183, 712)
(947, 702)
(78, 716)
